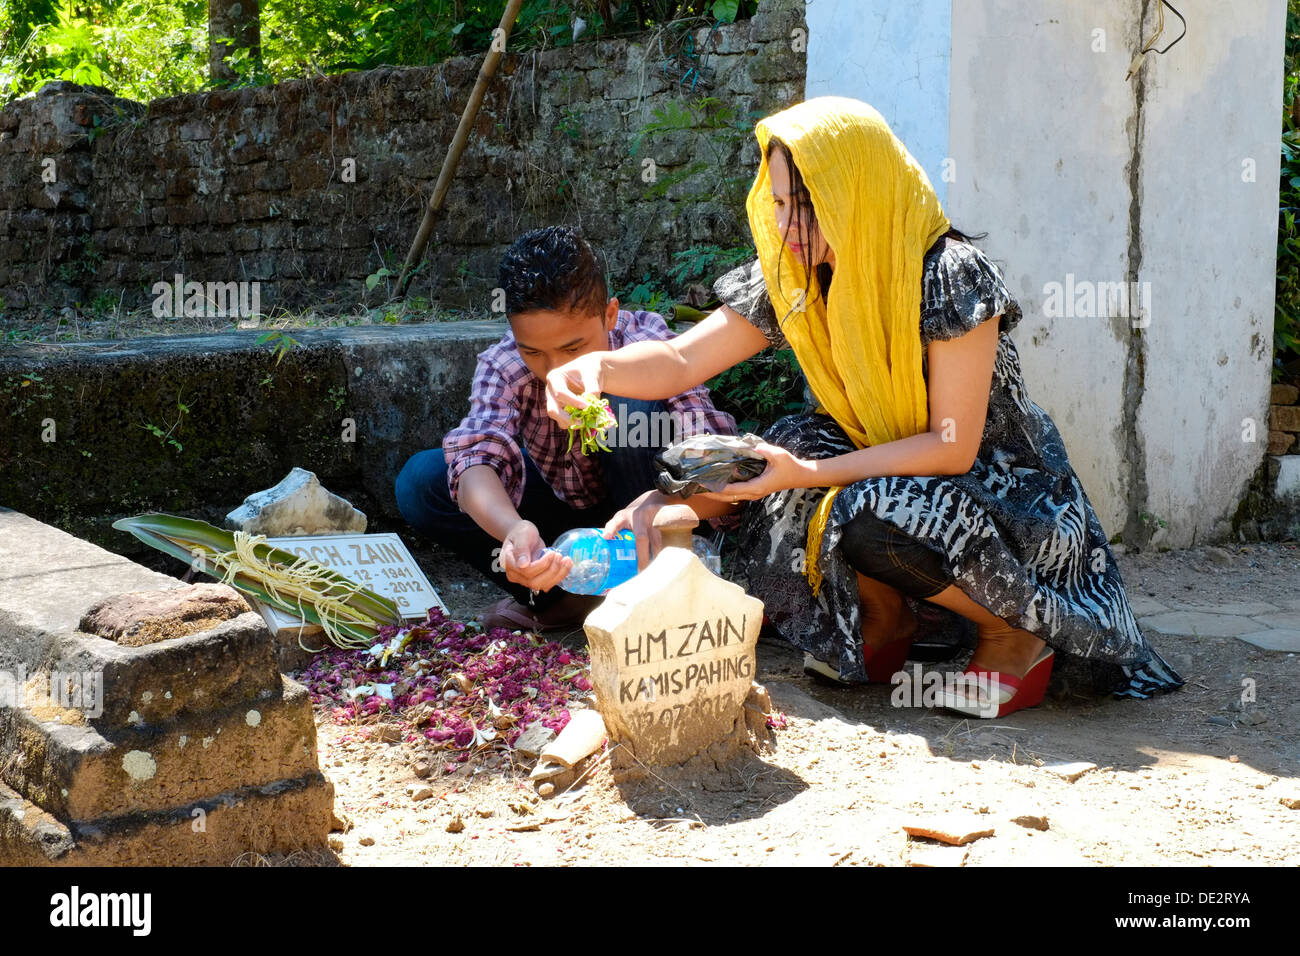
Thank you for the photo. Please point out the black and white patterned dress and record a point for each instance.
(1018, 533)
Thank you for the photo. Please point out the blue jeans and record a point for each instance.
(424, 499)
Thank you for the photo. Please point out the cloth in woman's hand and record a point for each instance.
(708, 463)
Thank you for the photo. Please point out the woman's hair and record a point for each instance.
(805, 213)
(552, 269)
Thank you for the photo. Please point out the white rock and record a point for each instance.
(534, 740)
(298, 505)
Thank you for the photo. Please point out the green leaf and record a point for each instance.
(197, 542)
(726, 10)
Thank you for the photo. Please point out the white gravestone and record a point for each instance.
(672, 658)
(379, 562)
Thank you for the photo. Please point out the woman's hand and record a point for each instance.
(639, 517)
(525, 560)
(783, 471)
(566, 385)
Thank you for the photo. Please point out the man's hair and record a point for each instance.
(555, 269)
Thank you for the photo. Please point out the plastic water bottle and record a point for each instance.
(707, 551)
(598, 563)
(601, 563)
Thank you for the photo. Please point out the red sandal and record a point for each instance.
(996, 695)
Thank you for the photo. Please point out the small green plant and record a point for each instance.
(282, 342)
(1152, 521)
(96, 129)
(570, 124)
(165, 437)
(104, 303)
(374, 278)
(720, 130)
(338, 396)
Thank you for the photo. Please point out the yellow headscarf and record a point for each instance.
(861, 350)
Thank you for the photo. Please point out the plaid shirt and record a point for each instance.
(508, 405)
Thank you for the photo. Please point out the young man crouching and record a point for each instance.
(503, 482)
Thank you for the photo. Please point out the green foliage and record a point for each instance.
(760, 390)
(701, 261)
(144, 49)
(104, 302)
(647, 294)
(725, 10)
(1286, 320)
(373, 279)
(589, 423)
(141, 49)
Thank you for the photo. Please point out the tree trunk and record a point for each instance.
(232, 25)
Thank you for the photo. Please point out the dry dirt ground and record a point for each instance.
(1190, 778)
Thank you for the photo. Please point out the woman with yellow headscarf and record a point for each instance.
(926, 492)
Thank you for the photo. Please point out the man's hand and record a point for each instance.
(639, 516)
(525, 560)
(567, 384)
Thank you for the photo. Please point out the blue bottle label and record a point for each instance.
(622, 548)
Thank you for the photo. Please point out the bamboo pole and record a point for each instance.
(485, 74)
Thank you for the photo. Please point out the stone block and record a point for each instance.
(146, 617)
(48, 578)
(1279, 443)
(195, 130)
(78, 774)
(1284, 395)
(1199, 624)
(1274, 639)
(149, 686)
(1284, 418)
(1287, 483)
(280, 817)
(731, 38)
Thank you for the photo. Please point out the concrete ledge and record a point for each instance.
(350, 404)
(49, 579)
